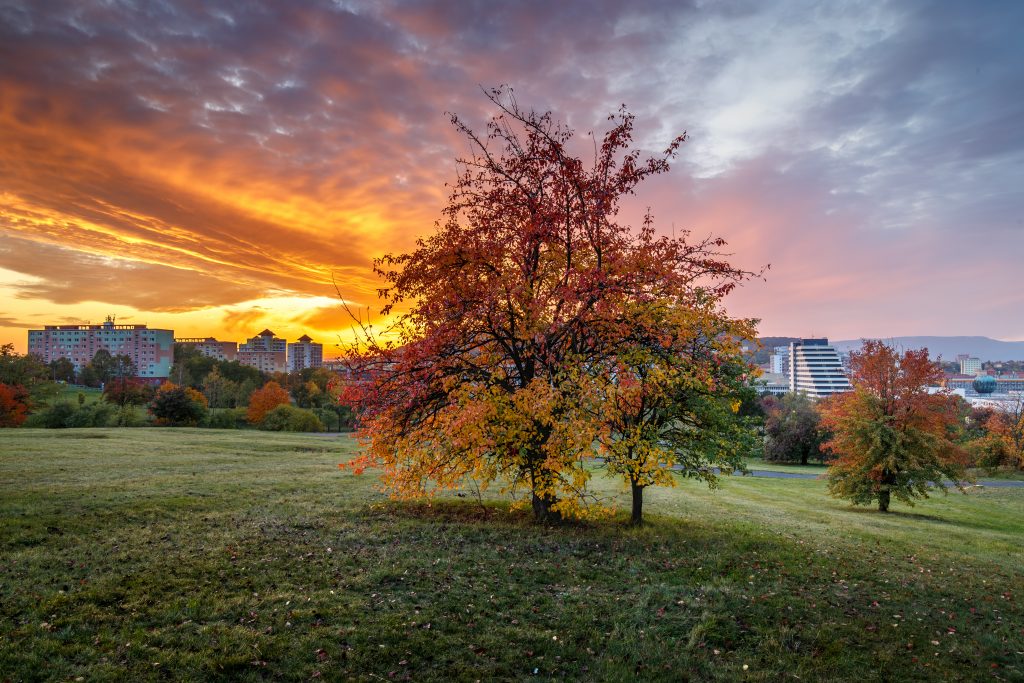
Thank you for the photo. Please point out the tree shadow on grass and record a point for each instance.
(446, 510)
(902, 514)
(471, 511)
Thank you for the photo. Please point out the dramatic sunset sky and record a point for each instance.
(209, 166)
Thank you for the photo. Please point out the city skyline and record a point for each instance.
(215, 170)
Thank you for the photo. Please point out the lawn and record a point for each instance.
(70, 394)
(149, 554)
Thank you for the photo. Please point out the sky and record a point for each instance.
(222, 167)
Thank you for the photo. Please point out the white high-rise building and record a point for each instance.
(305, 353)
(970, 366)
(815, 369)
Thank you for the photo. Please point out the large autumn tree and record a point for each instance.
(523, 293)
(890, 435)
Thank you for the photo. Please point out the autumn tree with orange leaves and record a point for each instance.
(265, 399)
(520, 308)
(891, 437)
(1005, 439)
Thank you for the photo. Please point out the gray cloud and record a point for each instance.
(886, 134)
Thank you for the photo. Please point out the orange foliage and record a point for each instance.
(890, 435)
(265, 399)
(521, 307)
(1006, 428)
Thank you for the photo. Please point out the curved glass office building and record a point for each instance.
(815, 369)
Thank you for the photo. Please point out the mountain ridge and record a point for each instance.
(948, 347)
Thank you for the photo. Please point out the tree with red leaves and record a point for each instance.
(14, 405)
(518, 305)
(892, 437)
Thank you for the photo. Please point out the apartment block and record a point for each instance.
(151, 350)
(265, 352)
(305, 353)
(208, 346)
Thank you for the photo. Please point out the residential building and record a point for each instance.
(151, 350)
(970, 366)
(265, 352)
(305, 353)
(815, 369)
(779, 360)
(208, 346)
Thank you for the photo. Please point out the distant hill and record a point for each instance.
(949, 347)
(768, 345)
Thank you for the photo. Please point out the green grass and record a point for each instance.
(815, 468)
(70, 394)
(146, 554)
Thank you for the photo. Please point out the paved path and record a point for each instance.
(996, 483)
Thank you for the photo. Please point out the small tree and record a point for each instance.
(14, 405)
(177, 406)
(670, 406)
(793, 431)
(125, 392)
(264, 400)
(1005, 427)
(891, 436)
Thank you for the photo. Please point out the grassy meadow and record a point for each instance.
(159, 554)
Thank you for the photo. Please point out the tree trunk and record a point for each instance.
(542, 511)
(638, 505)
(888, 479)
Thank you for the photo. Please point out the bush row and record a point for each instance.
(284, 418)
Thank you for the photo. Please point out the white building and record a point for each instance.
(779, 360)
(772, 383)
(970, 366)
(815, 369)
(305, 353)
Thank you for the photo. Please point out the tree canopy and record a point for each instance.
(528, 300)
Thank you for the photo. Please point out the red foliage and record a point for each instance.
(528, 282)
(14, 405)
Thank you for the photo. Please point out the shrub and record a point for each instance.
(128, 416)
(178, 406)
(231, 418)
(95, 415)
(288, 418)
(52, 417)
